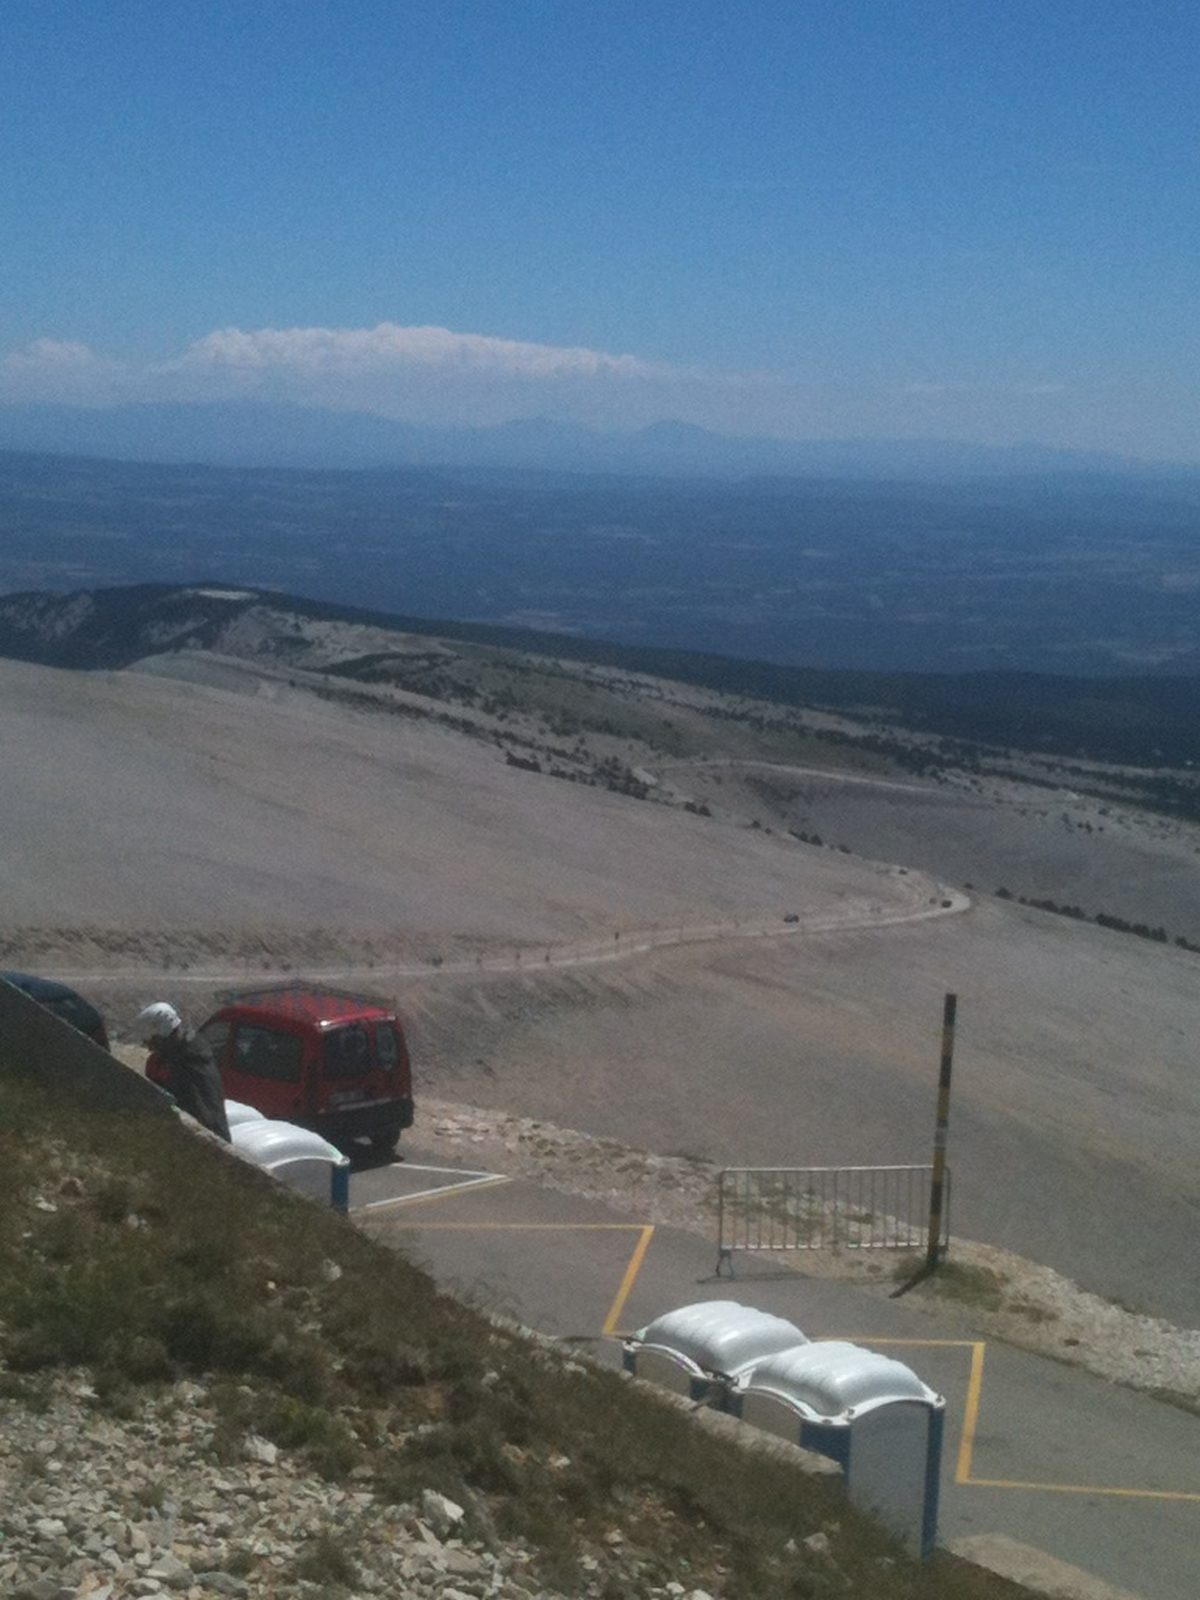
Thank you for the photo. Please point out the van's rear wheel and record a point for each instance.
(384, 1144)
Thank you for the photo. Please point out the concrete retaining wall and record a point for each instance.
(36, 1044)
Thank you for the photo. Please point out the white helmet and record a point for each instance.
(158, 1021)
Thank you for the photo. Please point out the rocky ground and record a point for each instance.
(104, 1507)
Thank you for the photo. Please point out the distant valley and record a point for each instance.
(1076, 573)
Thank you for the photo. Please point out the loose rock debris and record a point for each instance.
(96, 1507)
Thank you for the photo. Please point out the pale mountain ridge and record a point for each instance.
(263, 434)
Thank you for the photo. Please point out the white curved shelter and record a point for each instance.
(830, 1379)
(296, 1156)
(236, 1113)
(865, 1411)
(870, 1414)
(710, 1343)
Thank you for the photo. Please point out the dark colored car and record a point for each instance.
(333, 1062)
(64, 1003)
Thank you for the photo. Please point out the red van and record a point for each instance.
(333, 1062)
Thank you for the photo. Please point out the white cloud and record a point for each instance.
(415, 372)
(59, 370)
(390, 346)
(55, 354)
(426, 374)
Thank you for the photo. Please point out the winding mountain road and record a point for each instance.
(926, 900)
(791, 770)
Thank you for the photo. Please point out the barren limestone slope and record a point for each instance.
(1101, 854)
(134, 802)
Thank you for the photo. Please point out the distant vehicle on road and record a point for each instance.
(330, 1061)
(63, 1002)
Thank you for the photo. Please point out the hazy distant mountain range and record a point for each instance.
(271, 435)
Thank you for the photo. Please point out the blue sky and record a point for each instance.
(815, 218)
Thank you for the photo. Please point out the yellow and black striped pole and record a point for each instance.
(937, 1187)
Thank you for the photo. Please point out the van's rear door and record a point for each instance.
(392, 1053)
(348, 1074)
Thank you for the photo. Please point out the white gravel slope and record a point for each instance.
(142, 803)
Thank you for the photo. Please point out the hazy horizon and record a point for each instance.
(801, 224)
(288, 433)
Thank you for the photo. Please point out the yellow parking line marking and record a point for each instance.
(966, 1443)
(645, 1230)
(1083, 1488)
(628, 1281)
(424, 1195)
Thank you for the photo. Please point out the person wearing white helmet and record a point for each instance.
(183, 1065)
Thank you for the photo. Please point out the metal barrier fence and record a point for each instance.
(823, 1208)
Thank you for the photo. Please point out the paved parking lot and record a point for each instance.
(1096, 1475)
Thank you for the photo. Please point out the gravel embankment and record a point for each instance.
(100, 1508)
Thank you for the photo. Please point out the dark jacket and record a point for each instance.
(184, 1066)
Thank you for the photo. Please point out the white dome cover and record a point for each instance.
(831, 1377)
(276, 1144)
(236, 1112)
(721, 1336)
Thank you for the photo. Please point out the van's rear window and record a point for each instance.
(347, 1052)
(267, 1053)
(387, 1046)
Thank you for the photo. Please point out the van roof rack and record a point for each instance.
(303, 986)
